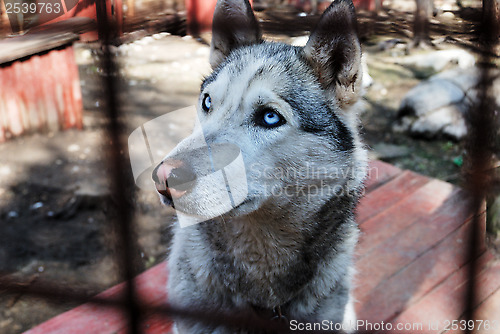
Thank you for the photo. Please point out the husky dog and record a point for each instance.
(291, 113)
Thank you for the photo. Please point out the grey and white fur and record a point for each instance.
(286, 108)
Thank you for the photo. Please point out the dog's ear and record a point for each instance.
(335, 53)
(234, 25)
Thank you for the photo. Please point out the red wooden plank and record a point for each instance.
(47, 96)
(397, 293)
(13, 109)
(404, 247)
(56, 88)
(486, 317)
(63, 77)
(447, 302)
(379, 173)
(19, 83)
(92, 318)
(41, 108)
(489, 310)
(389, 194)
(398, 217)
(29, 95)
(76, 91)
(152, 324)
(157, 326)
(73, 90)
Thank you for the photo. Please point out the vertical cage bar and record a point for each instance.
(122, 222)
(480, 147)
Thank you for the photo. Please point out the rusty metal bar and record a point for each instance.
(122, 191)
(480, 148)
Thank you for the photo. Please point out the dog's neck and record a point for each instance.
(272, 250)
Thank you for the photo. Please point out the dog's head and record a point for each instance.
(274, 119)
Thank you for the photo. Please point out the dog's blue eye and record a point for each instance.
(269, 118)
(206, 103)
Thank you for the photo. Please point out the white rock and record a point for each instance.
(389, 151)
(85, 55)
(5, 170)
(457, 130)
(437, 106)
(12, 214)
(438, 60)
(36, 206)
(448, 15)
(463, 78)
(300, 40)
(367, 79)
(438, 120)
(73, 148)
(430, 95)
(203, 51)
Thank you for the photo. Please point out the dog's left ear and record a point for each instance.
(234, 25)
(334, 52)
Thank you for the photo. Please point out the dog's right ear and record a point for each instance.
(334, 52)
(234, 25)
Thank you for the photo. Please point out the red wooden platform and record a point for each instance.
(412, 265)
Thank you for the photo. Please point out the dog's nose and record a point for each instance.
(173, 178)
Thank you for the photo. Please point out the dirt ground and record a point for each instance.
(55, 202)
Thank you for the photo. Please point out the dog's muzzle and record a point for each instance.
(173, 179)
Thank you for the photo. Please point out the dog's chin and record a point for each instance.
(246, 207)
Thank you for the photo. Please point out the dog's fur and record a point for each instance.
(293, 250)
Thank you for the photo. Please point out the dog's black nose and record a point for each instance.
(173, 178)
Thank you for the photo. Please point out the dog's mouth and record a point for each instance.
(169, 195)
(172, 193)
(204, 182)
(172, 181)
(165, 197)
(168, 198)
